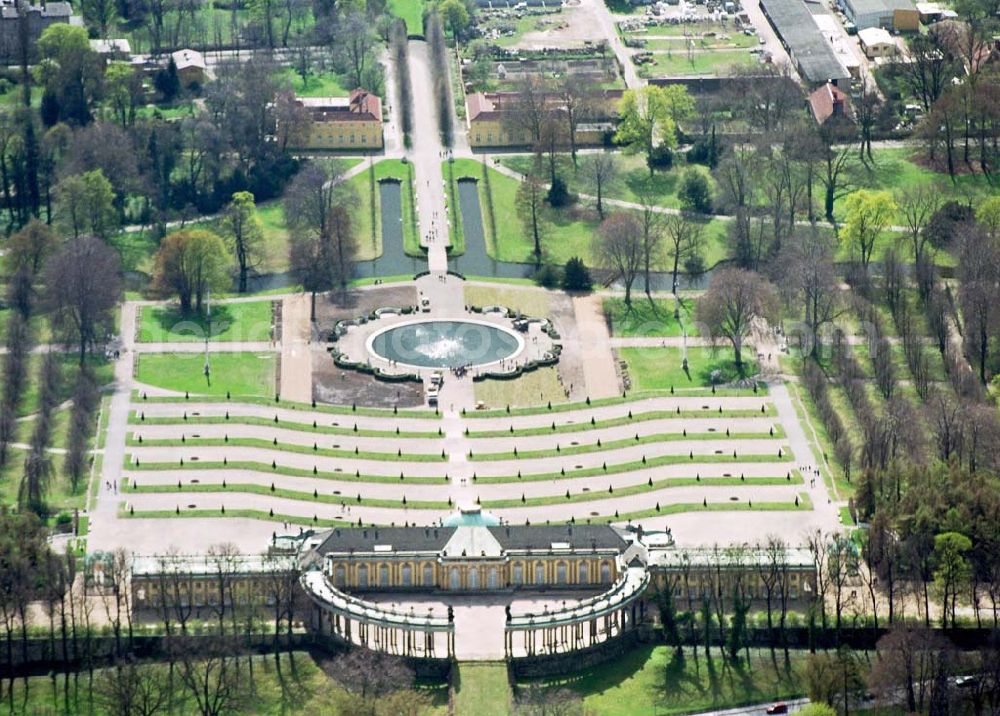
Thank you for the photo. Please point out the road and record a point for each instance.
(607, 22)
(427, 154)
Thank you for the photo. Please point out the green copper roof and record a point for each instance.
(471, 517)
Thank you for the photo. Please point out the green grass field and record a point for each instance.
(704, 62)
(535, 388)
(654, 680)
(289, 683)
(316, 84)
(647, 318)
(241, 374)
(481, 689)
(243, 321)
(532, 302)
(412, 12)
(661, 368)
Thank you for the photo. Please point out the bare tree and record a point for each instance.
(529, 111)
(918, 203)
(213, 677)
(83, 286)
(322, 247)
(600, 171)
(372, 675)
(538, 700)
(926, 68)
(818, 543)
(223, 559)
(356, 42)
(530, 205)
(652, 232)
(808, 279)
(979, 295)
(735, 299)
(618, 245)
(684, 240)
(132, 689)
(578, 104)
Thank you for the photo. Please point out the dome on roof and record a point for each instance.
(471, 516)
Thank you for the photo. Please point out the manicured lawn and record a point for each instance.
(654, 680)
(530, 302)
(481, 689)
(647, 318)
(237, 373)
(412, 12)
(535, 388)
(244, 321)
(660, 368)
(317, 84)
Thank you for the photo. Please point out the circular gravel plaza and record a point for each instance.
(444, 344)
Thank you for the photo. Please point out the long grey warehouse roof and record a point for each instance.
(800, 34)
(865, 7)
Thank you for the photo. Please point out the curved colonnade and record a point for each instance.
(374, 626)
(580, 624)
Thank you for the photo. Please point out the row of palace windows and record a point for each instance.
(329, 136)
(471, 577)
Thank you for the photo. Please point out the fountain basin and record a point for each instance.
(444, 343)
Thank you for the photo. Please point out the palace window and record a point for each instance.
(518, 573)
(454, 579)
(428, 575)
(584, 576)
(492, 580)
(383, 575)
(539, 573)
(561, 573)
(363, 576)
(473, 578)
(340, 576)
(407, 575)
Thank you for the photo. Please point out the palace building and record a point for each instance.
(469, 551)
(377, 587)
(491, 118)
(353, 122)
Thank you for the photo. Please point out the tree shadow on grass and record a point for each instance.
(171, 323)
(681, 681)
(727, 371)
(606, 676)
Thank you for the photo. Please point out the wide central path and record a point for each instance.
(426, 153)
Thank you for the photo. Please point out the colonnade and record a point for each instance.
(580, 625)
(375, 626)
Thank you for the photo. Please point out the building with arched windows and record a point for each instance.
(469, 552)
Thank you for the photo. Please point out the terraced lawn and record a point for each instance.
(236, 374)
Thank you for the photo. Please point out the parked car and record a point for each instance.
(779, 708)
